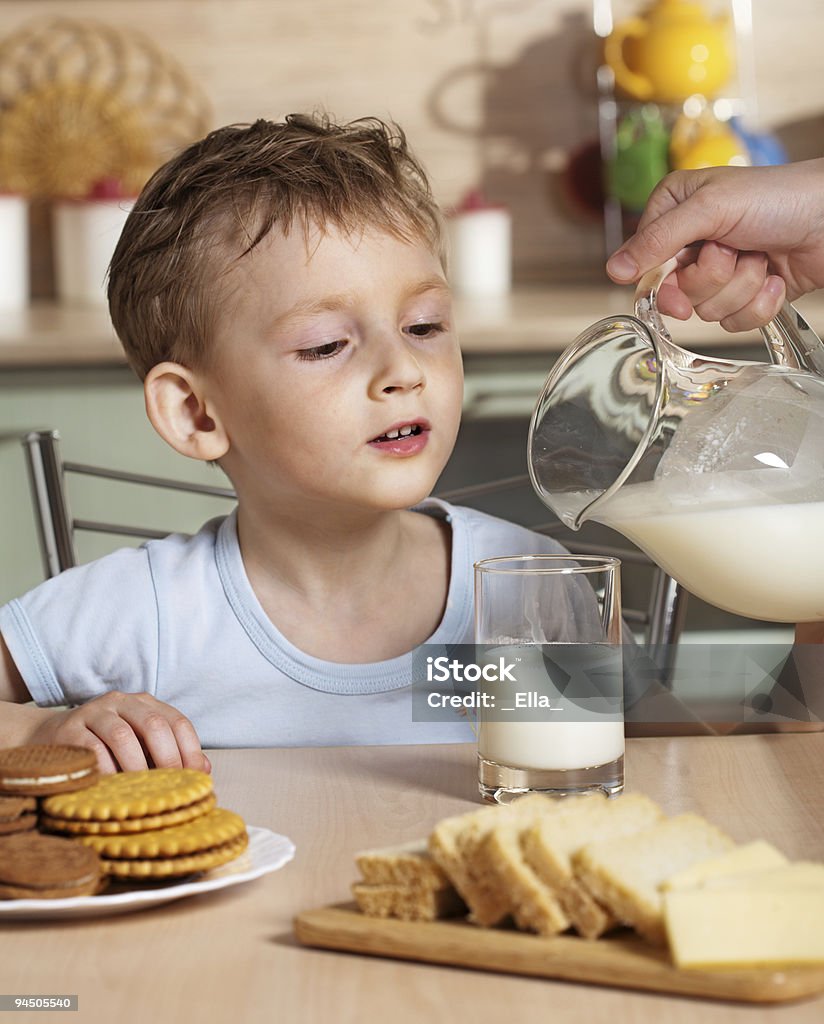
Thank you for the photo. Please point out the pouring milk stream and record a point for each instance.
(714, 467)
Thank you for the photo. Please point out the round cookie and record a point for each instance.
(17, 814)
(41, 770)
(130, 795)
(173, 867)
(33, 866)
(149, 823)
(214, 829)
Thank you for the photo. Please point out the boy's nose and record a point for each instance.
(398, 370)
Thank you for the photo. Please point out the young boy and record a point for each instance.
(281, 291)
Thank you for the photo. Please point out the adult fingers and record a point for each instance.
(739, 291)
(672, 301)
(761, 309)
(677, 214)
(713, 269)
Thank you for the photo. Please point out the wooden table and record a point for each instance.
(230, 956)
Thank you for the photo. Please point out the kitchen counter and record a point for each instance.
(530, 320)
(50, 335)
(232, 955)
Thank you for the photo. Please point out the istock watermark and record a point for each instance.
(442, 670)
(752, 683)
(523, 682)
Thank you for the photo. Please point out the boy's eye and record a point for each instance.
(425, 330)
(331, 348)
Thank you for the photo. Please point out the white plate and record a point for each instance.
(267, 851)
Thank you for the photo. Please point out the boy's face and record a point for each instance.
(337, 373)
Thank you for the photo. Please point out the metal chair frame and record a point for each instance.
(662, 620)
(55, 523)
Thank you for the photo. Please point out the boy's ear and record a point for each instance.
(179, 411)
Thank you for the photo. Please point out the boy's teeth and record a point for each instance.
(393, 435)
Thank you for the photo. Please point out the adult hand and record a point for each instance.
(130, 731)
(762, 230)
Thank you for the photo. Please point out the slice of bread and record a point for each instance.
(533, 904)
(549, 845)
(454, 845)
(409, 864)
(625, 873)
(410, 904)
(443, 846)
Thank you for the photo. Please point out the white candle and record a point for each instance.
(85, 235)
(14, 252)
(480, 248)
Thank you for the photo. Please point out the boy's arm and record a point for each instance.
(18, 721)
(126, 730)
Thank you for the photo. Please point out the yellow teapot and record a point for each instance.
(670, 52)
(705, 142)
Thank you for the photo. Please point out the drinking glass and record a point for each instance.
(549, 629)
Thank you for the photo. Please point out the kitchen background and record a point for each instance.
(496, 94)
(487, 90)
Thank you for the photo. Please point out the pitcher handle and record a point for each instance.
(790, 340)
(646, 308)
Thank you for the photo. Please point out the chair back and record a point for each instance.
(662, 618)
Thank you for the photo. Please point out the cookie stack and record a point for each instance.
(34, 866)
(17, 814)
(160, 823)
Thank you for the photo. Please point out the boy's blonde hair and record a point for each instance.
(208, 207)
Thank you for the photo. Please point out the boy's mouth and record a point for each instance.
(403, 438)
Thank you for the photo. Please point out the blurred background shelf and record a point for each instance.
(533, 320)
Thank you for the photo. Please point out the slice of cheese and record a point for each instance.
(741, 860)
(799, 875)
(762, 926)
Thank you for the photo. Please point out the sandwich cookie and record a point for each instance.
(33, 866)
(17, 814)
(41, 770)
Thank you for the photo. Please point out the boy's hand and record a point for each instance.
(127, 731)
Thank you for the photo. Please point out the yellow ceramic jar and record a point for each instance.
(705, 142)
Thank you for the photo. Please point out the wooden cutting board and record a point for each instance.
(622, 960)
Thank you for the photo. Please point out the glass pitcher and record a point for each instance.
(713, 467)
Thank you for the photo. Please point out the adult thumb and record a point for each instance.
(673, 218)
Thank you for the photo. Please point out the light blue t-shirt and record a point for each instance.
(178, 618)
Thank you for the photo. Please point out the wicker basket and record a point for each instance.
(82, 102)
